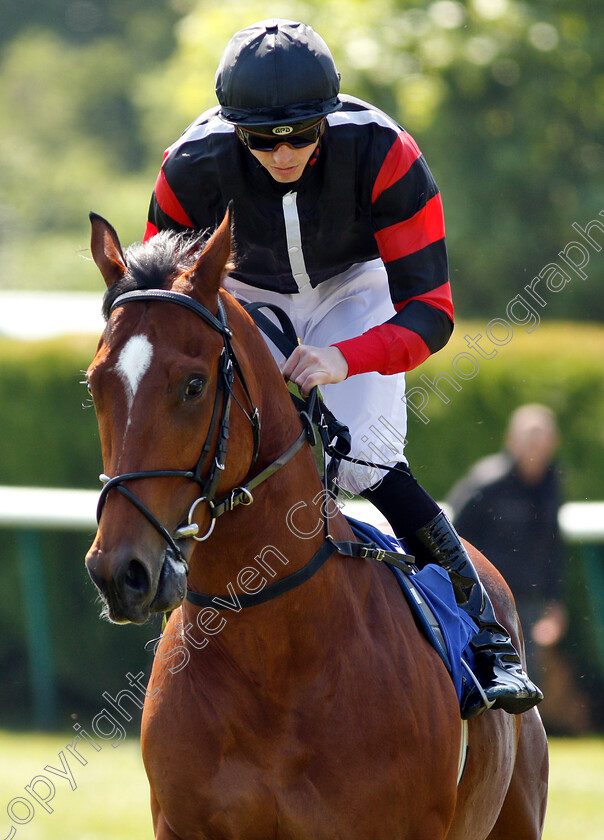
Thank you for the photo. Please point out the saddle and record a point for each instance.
(430, 596)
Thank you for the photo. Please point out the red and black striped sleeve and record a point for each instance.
(410, 233)
(165, 209)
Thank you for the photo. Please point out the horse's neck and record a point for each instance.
(278, 534)
(276, 646)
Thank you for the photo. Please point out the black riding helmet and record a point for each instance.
(276, 71)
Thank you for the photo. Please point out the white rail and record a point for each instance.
(57, 509)
(582, 521)
(42, 508)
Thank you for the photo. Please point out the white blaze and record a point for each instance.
(133, 363)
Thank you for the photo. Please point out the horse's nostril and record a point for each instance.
(135, 576)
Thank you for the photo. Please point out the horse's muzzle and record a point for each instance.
(129, 589)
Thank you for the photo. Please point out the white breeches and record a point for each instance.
(370, 404)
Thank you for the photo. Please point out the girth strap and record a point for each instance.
(286, 584)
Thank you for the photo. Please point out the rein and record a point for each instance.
(311, 410)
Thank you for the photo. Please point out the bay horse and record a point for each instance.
(310, 706)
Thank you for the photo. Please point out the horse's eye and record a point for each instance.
(86, 383)
(194, 387)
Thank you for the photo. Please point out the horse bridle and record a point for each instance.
(228, 367)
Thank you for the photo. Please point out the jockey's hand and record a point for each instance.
(309, 366)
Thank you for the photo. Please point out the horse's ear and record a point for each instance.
(213, 262)
(106, 250)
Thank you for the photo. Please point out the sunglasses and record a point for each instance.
(297, 135)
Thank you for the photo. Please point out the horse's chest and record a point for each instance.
(256, 804)
(280, 790)
(314, 764)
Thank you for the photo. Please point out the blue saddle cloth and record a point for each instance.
(456, 628)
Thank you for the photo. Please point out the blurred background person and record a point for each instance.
(507, 506)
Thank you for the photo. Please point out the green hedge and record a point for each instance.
(557, 364)
(49, 440)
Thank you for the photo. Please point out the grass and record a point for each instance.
(111, 795)
(111, 798)
(576, 800)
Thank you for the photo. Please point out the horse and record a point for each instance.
(292, 694)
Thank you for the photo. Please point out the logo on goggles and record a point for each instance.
(283, 129)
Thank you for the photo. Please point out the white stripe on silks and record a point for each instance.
(363, 118)
(202, 132)
(294, 240)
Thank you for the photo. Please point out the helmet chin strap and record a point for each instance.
(315, 155)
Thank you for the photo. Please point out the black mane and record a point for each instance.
(152, 264)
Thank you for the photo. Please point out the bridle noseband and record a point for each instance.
(228, 367)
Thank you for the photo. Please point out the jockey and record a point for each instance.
(337, 219)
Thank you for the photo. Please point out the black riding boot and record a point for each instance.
(497, 663)
(416, 518)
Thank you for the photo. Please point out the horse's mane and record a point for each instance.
(151, 264)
